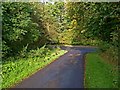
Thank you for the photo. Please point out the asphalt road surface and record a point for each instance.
(66, 72)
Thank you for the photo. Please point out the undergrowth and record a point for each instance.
(15, 69)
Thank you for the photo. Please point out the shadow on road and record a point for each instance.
(66, 72)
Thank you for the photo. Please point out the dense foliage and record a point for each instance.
(96, 20)
(21, 27)
(27, 26)
(96, 24)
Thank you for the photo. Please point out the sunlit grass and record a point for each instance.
(99, 73)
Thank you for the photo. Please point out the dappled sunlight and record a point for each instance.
(34, 34)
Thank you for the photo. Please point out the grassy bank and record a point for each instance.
(99, 73)
(15, 69)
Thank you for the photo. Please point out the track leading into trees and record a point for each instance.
(66, 72)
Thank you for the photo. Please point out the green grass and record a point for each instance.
(16, 69)
(99, 73)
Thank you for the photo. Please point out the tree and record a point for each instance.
(19, 28)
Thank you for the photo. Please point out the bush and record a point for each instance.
(103, 46)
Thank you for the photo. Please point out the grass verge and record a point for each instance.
(99, 73)
(15, 69)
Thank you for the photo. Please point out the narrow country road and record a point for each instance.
(66, 72)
